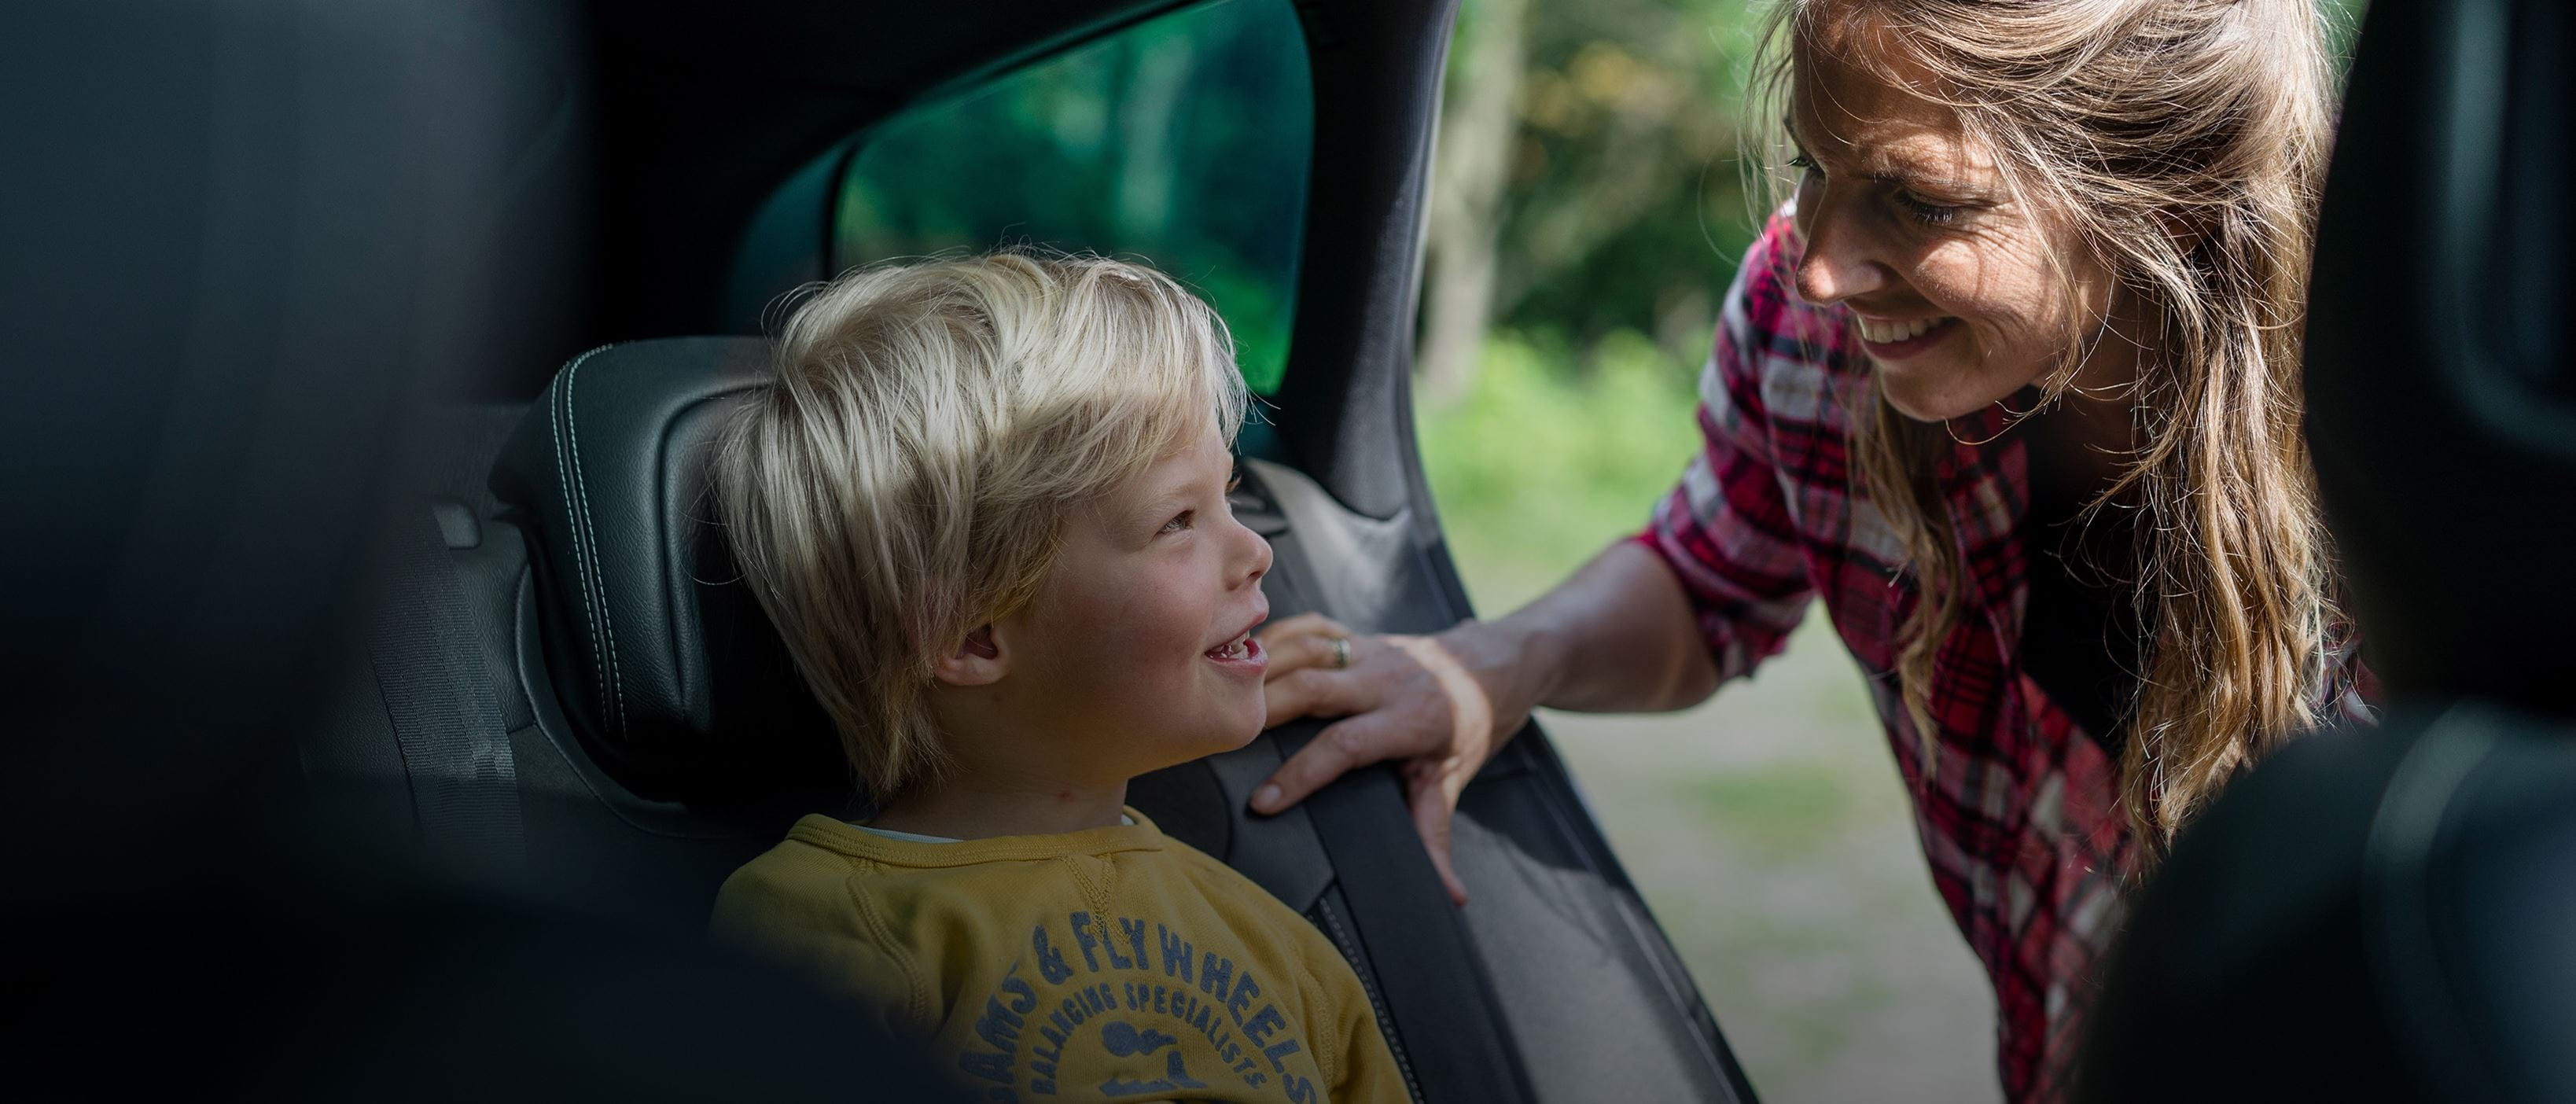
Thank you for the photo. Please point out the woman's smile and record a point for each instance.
(1977, 300)
(1894, 341)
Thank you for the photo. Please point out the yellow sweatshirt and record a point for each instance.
(1112, 964)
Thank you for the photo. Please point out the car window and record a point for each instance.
(1182, 141)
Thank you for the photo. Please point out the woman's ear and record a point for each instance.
(977, 661)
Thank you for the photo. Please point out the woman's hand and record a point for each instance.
(1440, 704)
(1618, 637)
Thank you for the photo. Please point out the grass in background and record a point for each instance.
(1767, 828)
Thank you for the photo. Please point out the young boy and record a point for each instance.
(986, 505)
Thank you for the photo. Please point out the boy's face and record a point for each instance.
(1136, 653)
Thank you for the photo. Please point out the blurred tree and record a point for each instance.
(1609, 197)
(1477, 131)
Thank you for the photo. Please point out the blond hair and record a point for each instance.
(2181, 144)
(906, 478)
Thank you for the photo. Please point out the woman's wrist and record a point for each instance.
(1618, 637)
(1514, 658)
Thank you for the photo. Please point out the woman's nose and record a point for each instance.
(1839, 260)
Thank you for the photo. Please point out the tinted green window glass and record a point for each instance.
(1182, 141)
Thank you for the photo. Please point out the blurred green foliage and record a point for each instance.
(1528, 481)
(1626, 205)
(1182, 141)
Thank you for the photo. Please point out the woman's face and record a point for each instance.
(1906, 222)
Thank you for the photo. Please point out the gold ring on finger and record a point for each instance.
(1341, 646)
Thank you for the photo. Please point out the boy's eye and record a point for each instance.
(1179, 521)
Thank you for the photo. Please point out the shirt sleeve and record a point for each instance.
(803, 918)
(1725, 530)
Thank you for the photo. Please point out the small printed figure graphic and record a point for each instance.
(1126, 1040)
(1175, 1077)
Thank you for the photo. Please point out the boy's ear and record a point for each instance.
(976, 662)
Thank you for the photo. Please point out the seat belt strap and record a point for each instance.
(1430, 980)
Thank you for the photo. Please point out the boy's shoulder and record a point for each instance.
(825, 870)
(833, 867)
(792, 868)
(794, 887)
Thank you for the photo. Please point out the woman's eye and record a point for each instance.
(1802, 163)
(1180, 521)
(1929, 214)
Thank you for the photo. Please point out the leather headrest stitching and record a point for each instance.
(664, 665)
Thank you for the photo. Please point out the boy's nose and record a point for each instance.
(1260, 564)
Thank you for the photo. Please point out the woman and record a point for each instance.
(2013, 389)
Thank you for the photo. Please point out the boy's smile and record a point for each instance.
(1241, 652)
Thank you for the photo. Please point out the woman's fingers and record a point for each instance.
(1409, 698)
(1313, 692)
(1302, 643)
(1311, 651)
(1304, 624)
(1435, 807)
(1340, 747)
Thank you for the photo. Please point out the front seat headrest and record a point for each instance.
(2441, 400)
(663, 662)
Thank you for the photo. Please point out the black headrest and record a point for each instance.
(659, 655)
(2441, 393)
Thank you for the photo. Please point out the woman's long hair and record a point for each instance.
(2182, 144)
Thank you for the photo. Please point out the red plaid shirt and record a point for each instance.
(2020, 818)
